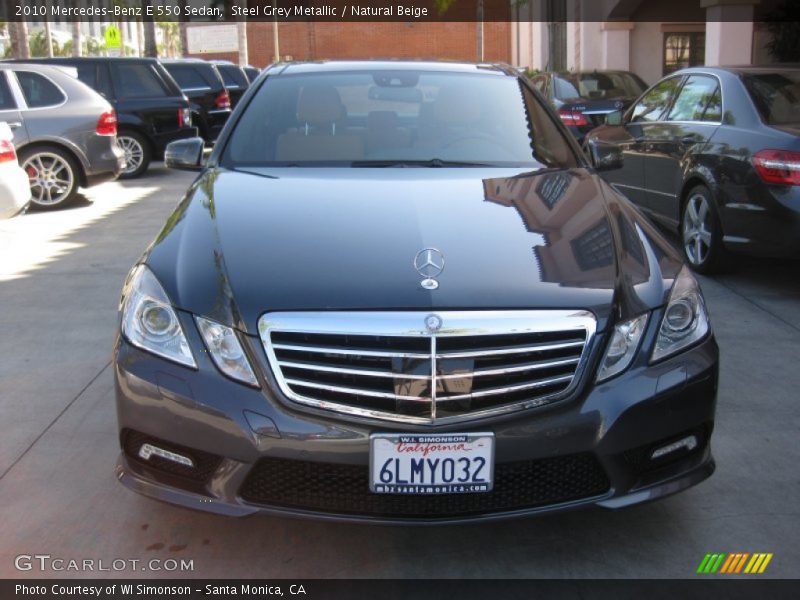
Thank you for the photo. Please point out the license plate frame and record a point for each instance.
(454, 446)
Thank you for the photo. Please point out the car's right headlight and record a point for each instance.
(685, 320)
(148, 320)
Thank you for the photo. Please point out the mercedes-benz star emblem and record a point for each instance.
(429, 263)
(433, 323)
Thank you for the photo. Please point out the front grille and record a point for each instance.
(205, 463)
(344, 489)
(390, 366)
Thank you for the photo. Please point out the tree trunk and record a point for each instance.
(18, 32)
(48, 38)
(150, 47)
(76, 38)
(182, 23)
(140, 38)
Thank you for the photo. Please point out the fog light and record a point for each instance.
(148, 450)
(688, 443)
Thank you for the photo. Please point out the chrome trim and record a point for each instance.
(510, 388)
(505, 370)
(410, 324)
(346, 371)
(512, 350)
(349, 352)
(641, 189)
(349, 390)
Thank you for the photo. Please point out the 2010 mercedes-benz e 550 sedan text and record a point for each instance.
(396, 292)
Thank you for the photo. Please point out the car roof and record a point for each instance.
(76, 59)
(333, 66)
(38, 67)
(736, 69)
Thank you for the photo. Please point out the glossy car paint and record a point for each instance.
(665, 160)
(241, 244)
(70, 125)
(235, 78)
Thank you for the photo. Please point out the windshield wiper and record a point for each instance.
(430, 163)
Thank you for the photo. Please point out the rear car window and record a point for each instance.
(188, 77)
(598, 86)
(776, 95)
(38, 90)
(137, 81)
(6, 100)
(696, 96)
(232, 76)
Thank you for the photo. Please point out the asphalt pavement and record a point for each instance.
(60, 278)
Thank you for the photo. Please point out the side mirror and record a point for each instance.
(614, 118)
(185, 155)
(604, 156)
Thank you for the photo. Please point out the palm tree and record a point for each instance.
(76, 38)
(150, 47)
(182, 23)
(19, 39)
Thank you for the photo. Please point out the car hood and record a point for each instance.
(244, 243)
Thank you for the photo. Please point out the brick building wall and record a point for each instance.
(332, 40)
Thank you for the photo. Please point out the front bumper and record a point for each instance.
(240, 430)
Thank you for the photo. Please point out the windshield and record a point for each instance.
(776, 95)
(396, 118)
(598, 86)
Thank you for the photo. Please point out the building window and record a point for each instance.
(683, 50)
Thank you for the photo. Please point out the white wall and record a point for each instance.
(646, 45)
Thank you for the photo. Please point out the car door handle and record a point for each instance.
(689, 139)
(14, 125)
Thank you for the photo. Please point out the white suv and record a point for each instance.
(15, 190)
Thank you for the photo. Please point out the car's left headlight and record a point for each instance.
(685, 318)
(149, 321)
(226, 351)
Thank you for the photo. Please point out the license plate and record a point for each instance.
(412, 463)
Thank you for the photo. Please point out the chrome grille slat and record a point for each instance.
(516, 350)
(349, 352)
(357, 391)
(386, 365)
(346, 371)
(516, 369)
(508, 389)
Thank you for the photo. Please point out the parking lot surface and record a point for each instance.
(60, 278)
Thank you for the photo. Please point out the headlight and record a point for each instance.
(226, 351)
(622, 347)
(148, 320)
(685, 319)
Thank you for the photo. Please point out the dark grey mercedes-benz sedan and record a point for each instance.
(397, 292)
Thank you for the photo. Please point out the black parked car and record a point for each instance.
(202, 84)
(715, 154)
(584, 99)
(397, 292)
(235, 79)
(152, 111)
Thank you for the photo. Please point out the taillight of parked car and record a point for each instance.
(778, 166)
(223, 100)
(184, 117)
(7, 152)
(107, 124)
(573, 117)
